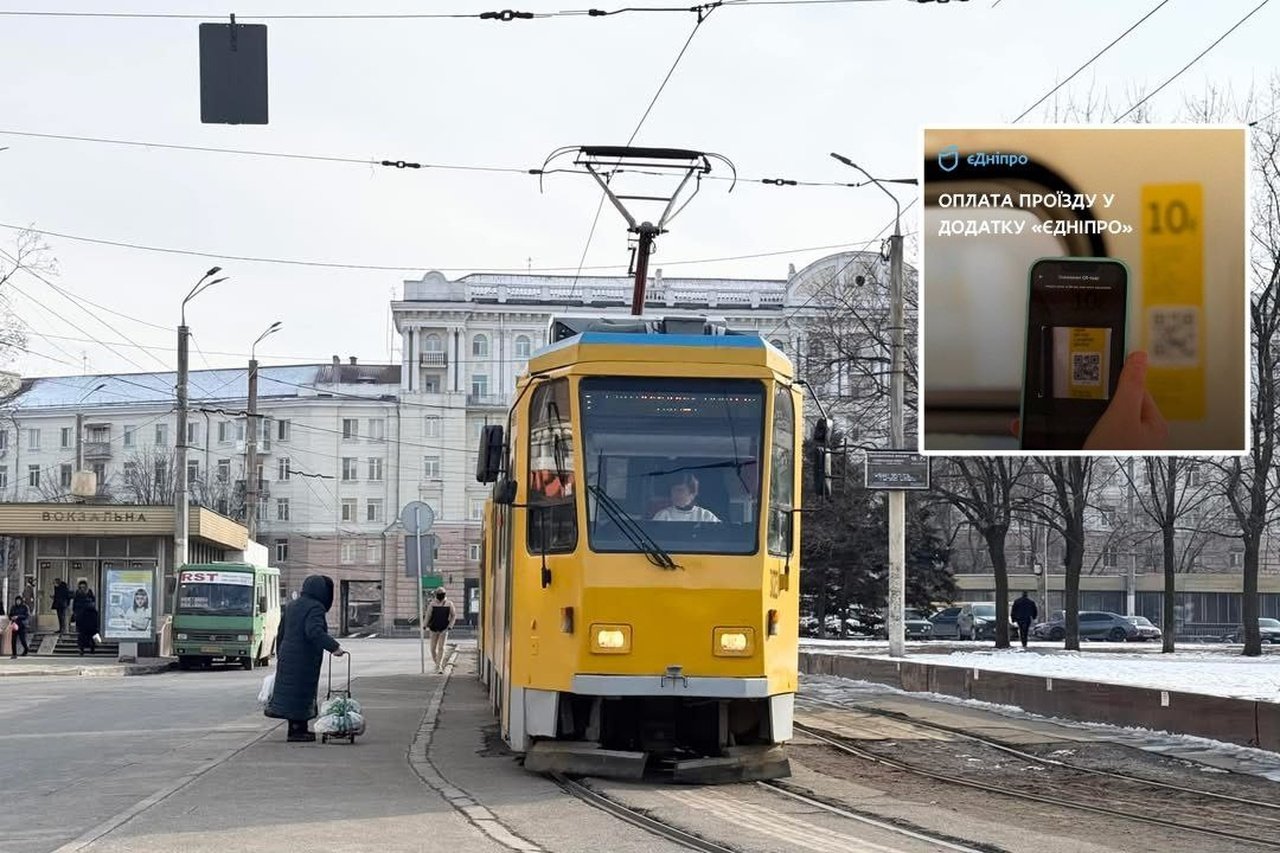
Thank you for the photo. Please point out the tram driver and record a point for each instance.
(684, 506)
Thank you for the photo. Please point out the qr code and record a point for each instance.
(1086, 368)
(1174, 335)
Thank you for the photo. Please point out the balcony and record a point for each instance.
(100, 450)
(487, 401)
(433, 359)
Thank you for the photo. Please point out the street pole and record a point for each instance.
(251, 456)
(422, 631)
(895, 622)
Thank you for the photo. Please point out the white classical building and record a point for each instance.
(345, 445)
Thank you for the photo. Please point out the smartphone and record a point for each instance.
(1077, 316)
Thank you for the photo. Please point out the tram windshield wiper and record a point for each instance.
(634, 532)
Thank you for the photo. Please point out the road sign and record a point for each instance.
(417, 517)
(893, 470)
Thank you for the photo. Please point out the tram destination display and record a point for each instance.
(888, 469)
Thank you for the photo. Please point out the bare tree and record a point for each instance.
(28, 253)
(987, 491)
(148, 477)
(1065, 491)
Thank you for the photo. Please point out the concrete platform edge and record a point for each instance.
(1244, 722)
(107, 670)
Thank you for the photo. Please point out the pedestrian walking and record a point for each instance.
(1024, 612)
(87, 626)
(19, 615)
(439, 621)
(301, 641)
(61, 601)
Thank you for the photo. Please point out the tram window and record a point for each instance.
(782, 475)
(677, 458)
(553, 521)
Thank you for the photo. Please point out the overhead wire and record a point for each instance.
(1196, 59)
(1090, 60)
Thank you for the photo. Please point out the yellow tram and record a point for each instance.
(640, 578)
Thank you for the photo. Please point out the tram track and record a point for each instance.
(1069, 794)
(1046, 760)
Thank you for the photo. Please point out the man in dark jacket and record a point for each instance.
(61, 600)
(301, 642)
(19, 615)
(1024, 613)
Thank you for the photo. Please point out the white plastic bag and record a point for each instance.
(268, 684)
(340, 724)
(339, 705)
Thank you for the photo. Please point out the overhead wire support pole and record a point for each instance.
(895, 622)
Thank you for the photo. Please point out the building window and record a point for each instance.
(480, 385)
(130, 435)
(477, 427)
(475, 509)
(432, 343)
(193, 472)
(431, 427)
(282, 550)
(350, 428)
(375, 469)
(473, 553)
(373, 511)
(161, 472)
(162, 435)
(4, 439)
(348, 509)
(33, 439)
(283, 470)
(1109, 515)
(65, 435)
(1109, 557)
(350, 468)
(373, 552)
(377, 429)
(100, 473)
(64, 476)
(224, 470)
(282, 430)
(480, 346)
(431, 467)
(347, 552)
(430, 385)
(33, 476)
(193, 434)
(224, 432)
(1235, 559)
(523, 346)
(4, 477)
(282, 509)
(130, 473)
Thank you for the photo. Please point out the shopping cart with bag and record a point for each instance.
(340, 717)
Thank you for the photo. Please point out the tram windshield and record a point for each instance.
(677, 458)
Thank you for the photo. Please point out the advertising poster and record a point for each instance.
(129, 599)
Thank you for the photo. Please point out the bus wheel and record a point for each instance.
(246, 662)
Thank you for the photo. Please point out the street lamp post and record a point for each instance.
(180, 500)
(251, 444)
(897, 498)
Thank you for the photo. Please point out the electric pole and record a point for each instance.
(251, 482)
(895, 622)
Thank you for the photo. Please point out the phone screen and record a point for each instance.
(1075, 349)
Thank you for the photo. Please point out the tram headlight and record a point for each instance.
(610, 639)
(733, 642)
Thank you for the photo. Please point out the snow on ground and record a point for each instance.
(1215, 670)
(1216, 756)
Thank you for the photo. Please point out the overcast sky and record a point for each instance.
(774, 88)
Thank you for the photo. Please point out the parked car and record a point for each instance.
(918, 627)
(1093, 625)
(1146, 629)
(944, 623)
(968, 621)
(1269, 628)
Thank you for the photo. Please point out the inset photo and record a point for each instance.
(1083, 289)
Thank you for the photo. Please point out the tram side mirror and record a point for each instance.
(822, 431)
(820, 468)
(504, 492)
(489, 458)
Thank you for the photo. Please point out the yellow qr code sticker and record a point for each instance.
(1173, 297)
(1081, 362)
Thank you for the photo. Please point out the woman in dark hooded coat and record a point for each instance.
(301, 642)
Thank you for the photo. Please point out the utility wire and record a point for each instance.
(1197, 58)
(1090, 61)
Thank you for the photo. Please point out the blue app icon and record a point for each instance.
(949, 158)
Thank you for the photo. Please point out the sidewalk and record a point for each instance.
(277, 797)
(89, 665)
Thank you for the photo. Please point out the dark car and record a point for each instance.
(1146, 629)
(1093, 625)
(917, 627)
(1268, 628)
